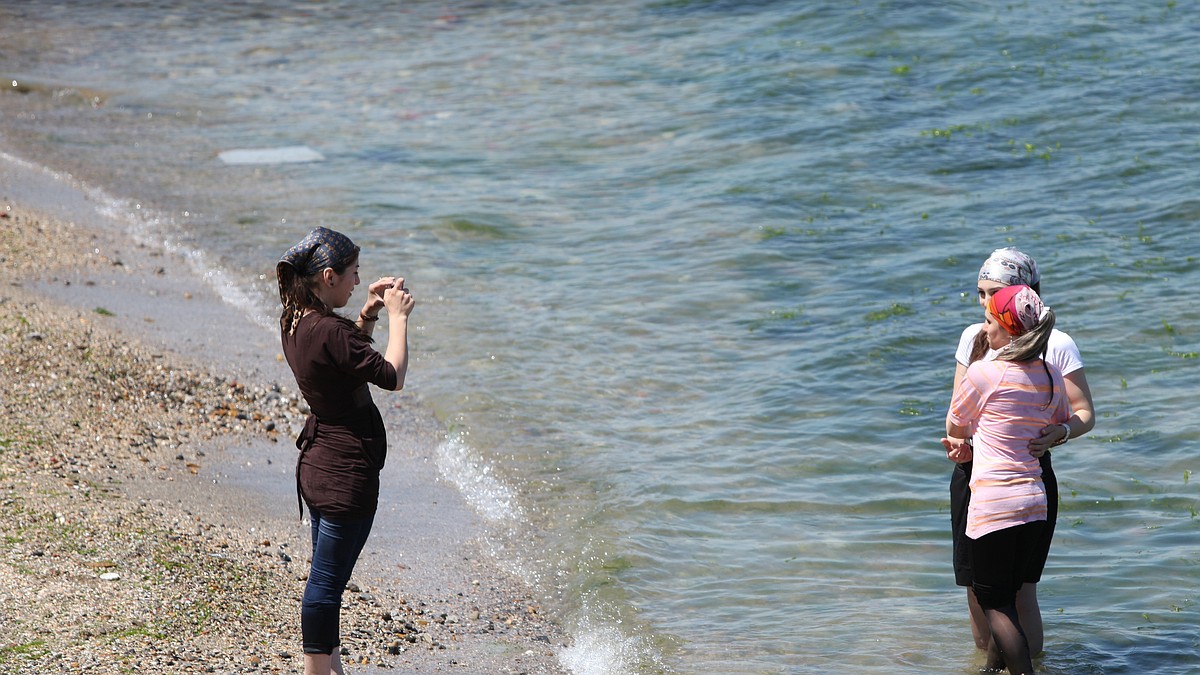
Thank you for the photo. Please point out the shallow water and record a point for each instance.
(691, 275)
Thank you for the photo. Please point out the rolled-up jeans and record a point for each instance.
(337, 542)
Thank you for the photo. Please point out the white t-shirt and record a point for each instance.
(1060, 351)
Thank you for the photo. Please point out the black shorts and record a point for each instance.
(1001, 562)
(960, 499)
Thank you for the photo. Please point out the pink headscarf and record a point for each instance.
(1017, 309)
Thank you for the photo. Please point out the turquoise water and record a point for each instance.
(691, 277)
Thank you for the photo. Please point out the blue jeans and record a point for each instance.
(337, 542)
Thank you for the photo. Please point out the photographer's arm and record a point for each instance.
(374, 305)
(399, 303)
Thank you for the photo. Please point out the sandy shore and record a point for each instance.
(148, 511)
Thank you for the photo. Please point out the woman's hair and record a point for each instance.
(300, 269)
(979, 348)
(1032, 345)
(298, 294)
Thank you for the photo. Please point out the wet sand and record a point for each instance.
(146, 488)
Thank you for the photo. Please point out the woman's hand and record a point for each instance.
(375, 296)
(1051, 435)
(397, 299)
(957, 449)
(1083, 415)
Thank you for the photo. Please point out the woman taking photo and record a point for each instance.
(343, 444)
(1002, 405)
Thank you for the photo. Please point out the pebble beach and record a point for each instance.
(127, 549)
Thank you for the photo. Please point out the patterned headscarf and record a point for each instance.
(1017, 309)
(1009, 266)
(322, 248)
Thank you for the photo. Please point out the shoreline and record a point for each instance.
(148, 434)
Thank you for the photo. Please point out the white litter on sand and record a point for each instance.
(286, 155)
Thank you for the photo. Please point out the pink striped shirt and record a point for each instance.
(1004, 404)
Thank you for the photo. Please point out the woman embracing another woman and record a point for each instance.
(1001, 405)
(1006, 267)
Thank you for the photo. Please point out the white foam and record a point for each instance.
(29, 165)
(146, 227)
(601, 650)
(478, 483)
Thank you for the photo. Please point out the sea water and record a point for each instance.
(690, 277)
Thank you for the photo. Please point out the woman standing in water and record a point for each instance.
(343, 444)
(1003, 404)
(1006, 267)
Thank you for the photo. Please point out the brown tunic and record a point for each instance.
(343, 445)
